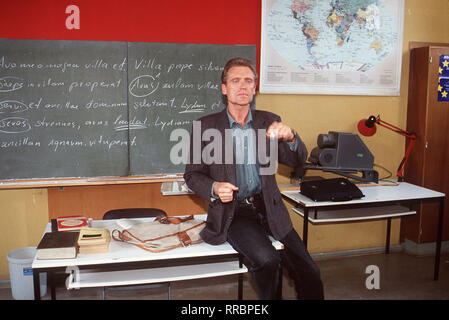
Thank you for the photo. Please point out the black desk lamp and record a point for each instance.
(367, 127)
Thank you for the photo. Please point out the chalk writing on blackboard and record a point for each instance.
(94, 108)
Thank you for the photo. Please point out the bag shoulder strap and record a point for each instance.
(173, 220)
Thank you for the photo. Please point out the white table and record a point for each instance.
(127, 261)
(379, 202)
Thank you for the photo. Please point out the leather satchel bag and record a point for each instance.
(162, 234)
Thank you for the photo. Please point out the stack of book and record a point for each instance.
(71, 235)
(94, 240)
(58, 245)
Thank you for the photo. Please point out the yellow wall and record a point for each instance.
(23, 216)
(24, 213)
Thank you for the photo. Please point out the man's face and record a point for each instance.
(240, 86)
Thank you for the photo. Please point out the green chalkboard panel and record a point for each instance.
(95, 108)
(170, 85)
(59, 101)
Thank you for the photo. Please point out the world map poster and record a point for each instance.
(337, 47)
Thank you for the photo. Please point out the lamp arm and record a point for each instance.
(391, 127)
(408, 134)
(404, 160)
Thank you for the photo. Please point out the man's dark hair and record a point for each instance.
(237, 62)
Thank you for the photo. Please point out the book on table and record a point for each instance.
(58, 245)
(68, 223)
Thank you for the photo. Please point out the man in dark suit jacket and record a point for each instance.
(245, 204)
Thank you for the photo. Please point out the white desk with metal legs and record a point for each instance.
(379, 202)
(126, 264)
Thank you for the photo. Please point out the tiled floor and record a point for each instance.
(401, 276)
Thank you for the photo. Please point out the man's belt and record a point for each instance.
(251, 201)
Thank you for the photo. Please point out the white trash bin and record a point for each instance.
(21, 274)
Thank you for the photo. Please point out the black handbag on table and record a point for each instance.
(337, 189)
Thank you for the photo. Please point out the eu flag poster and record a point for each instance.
(443, 78)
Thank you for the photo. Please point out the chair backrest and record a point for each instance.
(133, 213)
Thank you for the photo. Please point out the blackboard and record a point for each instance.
(96, 108)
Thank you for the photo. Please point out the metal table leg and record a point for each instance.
(305, 226)
(240, 280)
(387, 243)
(439, 236)
(37, 284)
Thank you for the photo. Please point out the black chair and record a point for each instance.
(133, 213)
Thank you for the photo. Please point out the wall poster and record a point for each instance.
(339, 47)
